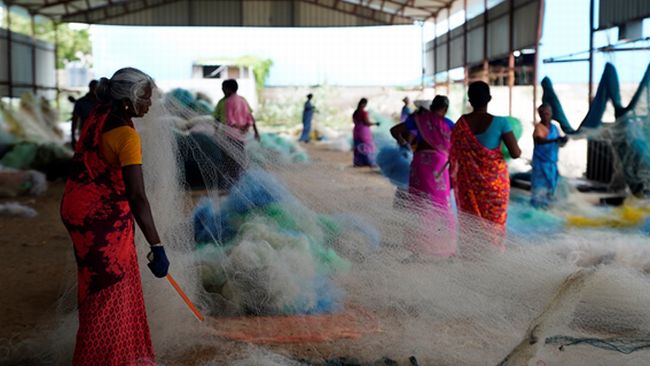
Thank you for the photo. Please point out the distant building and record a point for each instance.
(207, 77)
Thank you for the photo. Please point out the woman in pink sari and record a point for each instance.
(429, 186)
(364, 146)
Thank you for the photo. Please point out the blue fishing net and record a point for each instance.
(189, 100)
(278, 148)
(608, 90)
(395, 164)
(525, 220)
(267, 253)
(183, 96)
(628, 136)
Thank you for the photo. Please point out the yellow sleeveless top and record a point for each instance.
(121, 146)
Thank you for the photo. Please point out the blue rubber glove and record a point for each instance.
(158, 262)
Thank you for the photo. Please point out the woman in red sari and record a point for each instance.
(479, 173)
(103, 195)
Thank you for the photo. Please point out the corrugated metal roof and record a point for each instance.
(525, 18)
(617, 12)
(262, 13)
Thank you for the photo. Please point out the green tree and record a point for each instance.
(261, 69)
(73, 44)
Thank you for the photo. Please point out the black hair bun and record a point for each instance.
(103, 90)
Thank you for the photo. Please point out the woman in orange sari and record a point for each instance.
(103, 195)
(479, 173)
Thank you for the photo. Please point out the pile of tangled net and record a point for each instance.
(184, 98)
(263, 252)
(198, 137)
(269, 244)
(628, 137)
(30, 137)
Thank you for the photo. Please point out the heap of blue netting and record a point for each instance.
(630, 137)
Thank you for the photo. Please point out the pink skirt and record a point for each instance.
(434, 229)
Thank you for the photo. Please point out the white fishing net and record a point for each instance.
(267, 247)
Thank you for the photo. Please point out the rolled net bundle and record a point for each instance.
(313, 263)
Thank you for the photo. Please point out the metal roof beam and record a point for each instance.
(49, 4)
(448, 6)
(425, 8)
(403, 7)
(86, 14)
(373, 17)
(380, 11)
(399, 10)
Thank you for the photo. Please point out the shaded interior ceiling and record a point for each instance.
(231, 12)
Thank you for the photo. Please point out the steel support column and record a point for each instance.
(538, 37)
(591, 48)
(448, 49)
(33, 26)
(10, 79)
(511, 56)
(423, 51)
(486, 65)
(56, 70)
(435, 53)
(465, 66)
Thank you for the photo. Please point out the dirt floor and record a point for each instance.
(36, 254)
(37, 265)
(37, 262)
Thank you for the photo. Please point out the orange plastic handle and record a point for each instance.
(183, 296)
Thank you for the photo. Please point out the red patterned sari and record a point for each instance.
(480, 178)
(113, 327)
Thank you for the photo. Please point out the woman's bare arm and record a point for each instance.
(139, 203)
(400, 133)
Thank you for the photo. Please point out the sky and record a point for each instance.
(345, 56)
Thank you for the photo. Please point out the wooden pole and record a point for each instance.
(435, 53)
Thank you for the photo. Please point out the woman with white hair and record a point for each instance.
(103, 195)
